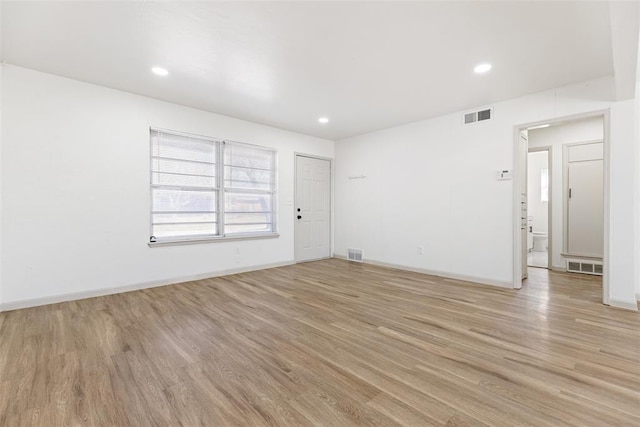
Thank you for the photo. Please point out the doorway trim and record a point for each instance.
(297, 154)
(549, 151)
(515, 200)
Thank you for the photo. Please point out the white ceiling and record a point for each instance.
(366, 66)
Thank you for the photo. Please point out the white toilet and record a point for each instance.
(540, 241)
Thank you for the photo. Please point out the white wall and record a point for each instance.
(624, 217)
(1, 72)
(75, 190)
(1, 133)
(637, 180)
(537, 209)
(637, 177)
(555, 137)
(433, 183)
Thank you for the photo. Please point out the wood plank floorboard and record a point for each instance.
(326, 343)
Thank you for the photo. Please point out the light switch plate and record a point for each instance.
(504, 175)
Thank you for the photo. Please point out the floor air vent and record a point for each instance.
(354, 255)
(584, 267)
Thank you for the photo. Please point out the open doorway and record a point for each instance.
(539, 172)
(561, 177)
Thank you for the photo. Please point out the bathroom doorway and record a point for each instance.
(539, 207)
(577, 235)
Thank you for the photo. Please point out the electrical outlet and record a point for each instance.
(420, 250)
(237, 251)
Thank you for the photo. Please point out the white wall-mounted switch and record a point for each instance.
(504, 174)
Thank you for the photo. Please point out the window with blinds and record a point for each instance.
(204, 188)
(249, 189)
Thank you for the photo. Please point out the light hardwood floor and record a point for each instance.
(326, 343)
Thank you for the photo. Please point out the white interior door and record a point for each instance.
(585, 216)
(312, 209)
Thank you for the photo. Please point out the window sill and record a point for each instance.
(213, 240)
(568, 255)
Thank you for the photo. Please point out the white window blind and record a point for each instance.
(249, 188)
(206, 188)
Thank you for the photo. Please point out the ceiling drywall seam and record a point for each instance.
(625, 19)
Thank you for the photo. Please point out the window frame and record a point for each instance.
(219, 190)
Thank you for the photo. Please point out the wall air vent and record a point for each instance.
(354, 255)
(477, 116)
(484, 115)
(470, 118)
(584, 267)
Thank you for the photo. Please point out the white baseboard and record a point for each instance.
(446, 275)
(73, 296)
(628, 305)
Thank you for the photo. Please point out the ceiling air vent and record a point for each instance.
(354, 255)
(477, 116)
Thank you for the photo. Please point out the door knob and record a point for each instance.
(299, 216)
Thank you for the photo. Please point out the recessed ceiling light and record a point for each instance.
(323, 120)
(482, 68)
(160, 71)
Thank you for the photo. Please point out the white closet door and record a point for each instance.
(585, 234)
